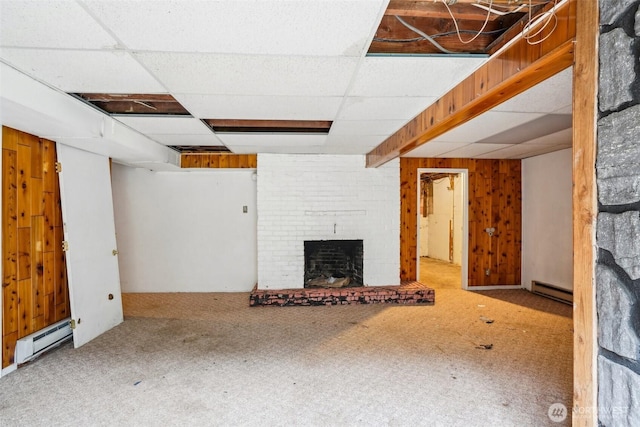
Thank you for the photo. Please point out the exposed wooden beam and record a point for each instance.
(461, 9)
(585, 91)
(509, 72)
(431, 9)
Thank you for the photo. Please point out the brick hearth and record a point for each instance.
(405, 293)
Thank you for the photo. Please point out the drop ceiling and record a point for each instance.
(269, 60)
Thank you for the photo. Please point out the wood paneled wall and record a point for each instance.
(218, 160)
(34, 282)
(495, 200)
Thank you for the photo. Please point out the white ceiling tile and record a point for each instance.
(365, 127)
(185, 139)
(260, 107)
(564, 137)
(510, 151)
(269, 140)
(433, 149)
(323, 28)
(50, 24)
(471, 150)
(411, 76)
(251, 74)
(486, 125)
(552, 94)
(383, 108)
(522, 151)
(564, 110)
(84, 71)
(352, 144)
(278, 149)
(165, 125)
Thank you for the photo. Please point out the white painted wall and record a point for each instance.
(326, 197)
(424, 236)
(547, 248)
(185, 231)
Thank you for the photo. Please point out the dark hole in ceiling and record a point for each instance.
(138, 104)
(268, 126)
(200, 149)
(479, 27)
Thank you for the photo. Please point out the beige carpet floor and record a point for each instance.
(209, 359)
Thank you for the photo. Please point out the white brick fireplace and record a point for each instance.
(326, 197)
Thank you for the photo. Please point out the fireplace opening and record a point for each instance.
(333, 263)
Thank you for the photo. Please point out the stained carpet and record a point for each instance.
(498, 358)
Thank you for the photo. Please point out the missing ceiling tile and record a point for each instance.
(200, 149)
(138, 104)
(268, 126)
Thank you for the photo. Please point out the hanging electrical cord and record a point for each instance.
(425, 35)
(435, 36)
(455, 23)
(527, 32)
(499, 12)
(547, 17)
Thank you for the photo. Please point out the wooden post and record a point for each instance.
(585, 91)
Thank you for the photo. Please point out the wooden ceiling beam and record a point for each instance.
(431, 9)
(507, 73)
(462, 9)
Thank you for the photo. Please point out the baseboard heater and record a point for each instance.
(32, 346)
(551, 291)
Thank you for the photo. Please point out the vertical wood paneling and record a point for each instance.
(24, 185)
(8, 347)
(61, 288)
(219, 161)
(9, 247)
(25, 307)
(494, 201)
(49, 215)
(10, 308)
(48, 277)
(49, 166)
(31, 213)
(24, 253)
(37, 265)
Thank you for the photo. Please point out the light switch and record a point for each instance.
(245, 209)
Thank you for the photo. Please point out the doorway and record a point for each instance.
(442, 225)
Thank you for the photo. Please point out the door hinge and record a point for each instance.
(72, 323)
(65, 246)
(58, 167)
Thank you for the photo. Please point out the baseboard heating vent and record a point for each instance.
(33, 345)
(551, 291)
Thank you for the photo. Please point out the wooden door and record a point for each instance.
(89, 230)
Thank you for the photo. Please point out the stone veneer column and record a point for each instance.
(618, 228)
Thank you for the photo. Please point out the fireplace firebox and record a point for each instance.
(333, 263)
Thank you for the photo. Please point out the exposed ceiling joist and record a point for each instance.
(509, 72)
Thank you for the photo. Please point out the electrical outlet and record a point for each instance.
(487, 272)
(245, 209)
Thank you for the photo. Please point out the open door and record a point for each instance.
(89, 233)
(443, 230)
